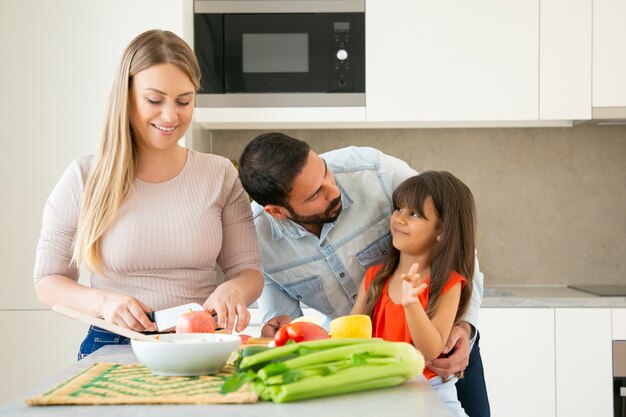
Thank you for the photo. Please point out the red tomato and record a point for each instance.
(304, 332)
(281, 336)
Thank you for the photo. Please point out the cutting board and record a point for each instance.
(107, 383)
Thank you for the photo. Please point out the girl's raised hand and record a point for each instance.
(412, 286)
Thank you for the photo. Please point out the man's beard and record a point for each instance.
(318, 218)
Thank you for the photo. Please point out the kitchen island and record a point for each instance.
(413, 398)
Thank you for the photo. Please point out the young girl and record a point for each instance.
(425, 285)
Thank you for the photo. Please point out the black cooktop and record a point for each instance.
(602, 290)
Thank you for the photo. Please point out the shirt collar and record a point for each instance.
(293, 230)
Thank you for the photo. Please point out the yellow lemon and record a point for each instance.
(358, 325)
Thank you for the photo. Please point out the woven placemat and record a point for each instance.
(107, 383)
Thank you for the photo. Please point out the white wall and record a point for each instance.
(56, 67)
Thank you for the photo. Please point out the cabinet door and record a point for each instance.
(584, 383)
(517, 348)
(609, 57)
(35, 346)
(565, 60)
(452, 61)
(619, 323)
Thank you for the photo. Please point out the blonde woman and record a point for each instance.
(148, 218)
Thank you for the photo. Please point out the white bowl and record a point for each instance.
(186, 354)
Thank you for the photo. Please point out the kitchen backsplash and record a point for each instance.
(551, 202)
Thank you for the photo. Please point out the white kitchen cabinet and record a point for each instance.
(583, 362)
(464, 64)
(565, 59)
(517, 348)
(35, 345)
(279, 117)
(618, 323)
(609, 56)
(452, 61)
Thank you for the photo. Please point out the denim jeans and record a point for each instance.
(97, 338)
(471, 389)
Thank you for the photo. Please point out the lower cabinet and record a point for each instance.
(553, 362)
(36, 345)
(584, 382)
(517, 348)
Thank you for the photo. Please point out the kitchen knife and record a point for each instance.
(166, 319)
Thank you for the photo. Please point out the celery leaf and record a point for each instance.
(291, 376)
(275, 368)
(236, 381)
(358, 358)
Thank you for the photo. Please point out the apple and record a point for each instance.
(195, 322)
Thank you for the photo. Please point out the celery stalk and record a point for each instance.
(286, 395)
(349, 380)
(281, 352)
(398, 350)
(330, 367)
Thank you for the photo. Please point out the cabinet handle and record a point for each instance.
(622, 391)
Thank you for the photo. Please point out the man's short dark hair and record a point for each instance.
(269, 165)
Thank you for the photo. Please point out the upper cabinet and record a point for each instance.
(481, 63)
(452, 61)
(609, 56)
(565, 59)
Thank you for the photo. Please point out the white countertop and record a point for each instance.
(546, 296)
(414, 398)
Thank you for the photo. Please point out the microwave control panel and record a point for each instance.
(342, 74)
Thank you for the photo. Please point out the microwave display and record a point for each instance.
(275, 52)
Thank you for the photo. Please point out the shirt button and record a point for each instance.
(342, 275)
(299, 297)
(354, 297)
(384, 252)
(322, 244)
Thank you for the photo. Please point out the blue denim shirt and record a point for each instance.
(325, 273)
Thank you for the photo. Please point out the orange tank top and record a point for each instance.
(388, 318)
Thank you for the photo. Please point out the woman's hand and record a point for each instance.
(116, 308)
(230, 306)
(127, 311)
(230, 299)
(412, 286)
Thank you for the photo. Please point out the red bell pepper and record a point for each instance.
(299, 332)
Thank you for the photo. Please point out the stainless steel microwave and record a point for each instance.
(281, 53)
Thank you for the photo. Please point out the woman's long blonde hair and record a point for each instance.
(114, 165)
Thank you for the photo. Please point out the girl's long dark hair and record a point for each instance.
(455, 251)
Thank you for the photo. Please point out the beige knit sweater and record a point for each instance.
(167, 238)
